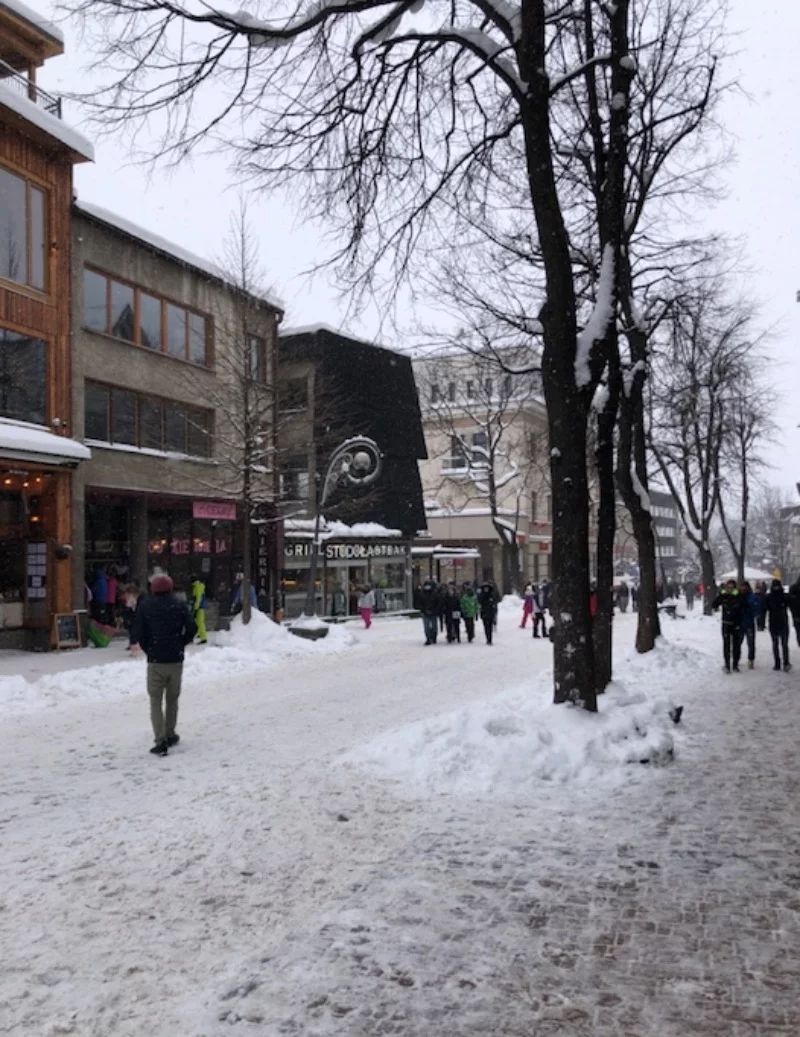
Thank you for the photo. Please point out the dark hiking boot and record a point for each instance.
(173, 739)
(726, 669)
(787, 667)
(160, 749)
(777, 666)
(751, 665)
(736, 669)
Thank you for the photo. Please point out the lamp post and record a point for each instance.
(357, 461)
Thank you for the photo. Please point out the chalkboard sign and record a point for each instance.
(66, 630)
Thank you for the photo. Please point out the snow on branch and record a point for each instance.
(598, 322)
(639, 490)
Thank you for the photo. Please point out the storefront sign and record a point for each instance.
(338, 552)
(217, 511)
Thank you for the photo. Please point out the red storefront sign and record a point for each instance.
(217, 511)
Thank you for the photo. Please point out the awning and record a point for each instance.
(27, 443)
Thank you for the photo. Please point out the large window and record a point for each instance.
(148, 422)
(458, 454)
(294, 479)
(23, 231)
(23, 378)
(134, 315)
(293, 395)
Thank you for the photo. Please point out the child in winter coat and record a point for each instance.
(527, 605)
(469, 608)
(366, 605)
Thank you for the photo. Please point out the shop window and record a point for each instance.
(96, 412)
(128, 312)
(23, 231)
(293, 394)
(123, 418)
(23, 378)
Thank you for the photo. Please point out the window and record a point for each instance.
(470, 390)
(23, 377)
(488, 387)
(480, 446)
(508, 385)
(96, 412)
(123, 418)
(436, 393)
(534, 506)
(293, 394)
(257, 351)
(458, 454)
(116, 416)
(549, 508)
(451, 392)
(133, 315)
(23, 231)
(151, 413)
(294, 479)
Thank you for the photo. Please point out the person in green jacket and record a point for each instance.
(199, 608)
(469, 610)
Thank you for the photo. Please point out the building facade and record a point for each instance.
(333, 387)
(39, 452)
(169, 357)
(486, 477)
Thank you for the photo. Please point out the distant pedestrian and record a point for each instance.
(750, 611)
(777, 608)
(527, 604)
(487, 603)
(730, 601)
(634, 598)
(366, 604)
(469, 607)
(545, 594)
(162, 627)
(623, 597)
(689, 590)
(429, 603)
(236, 600)
(794, 607)
(761, 594)
(198, 602)
(451, 609)
(538, 614)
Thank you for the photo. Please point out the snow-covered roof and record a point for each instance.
(50, 124)
(29, 443)
(33, 18)
(329, 530)
(313, 329)
(750, 575)
(169, 248)
(442, 552)
(439, 512)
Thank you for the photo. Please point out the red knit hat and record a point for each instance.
(161, 584)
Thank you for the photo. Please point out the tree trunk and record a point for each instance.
(567, 405)
(709, 579)
(602, 624)
(509, 553)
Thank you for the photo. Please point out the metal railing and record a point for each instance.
(21, 85)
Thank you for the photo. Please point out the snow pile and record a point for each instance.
(244, 649)
(305, 622)
(505, 747)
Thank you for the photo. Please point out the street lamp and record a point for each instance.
(357, 461)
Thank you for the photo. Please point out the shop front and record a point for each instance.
(344, 567)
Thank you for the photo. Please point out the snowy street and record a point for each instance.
(258, 881)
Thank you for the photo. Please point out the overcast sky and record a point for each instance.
(192, 206)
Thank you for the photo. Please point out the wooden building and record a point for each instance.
(37, 451)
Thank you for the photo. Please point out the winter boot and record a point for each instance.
(751, 664)
(173, 739)
(787, 667)
(160, 749)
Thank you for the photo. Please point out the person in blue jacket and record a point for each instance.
(751, 609)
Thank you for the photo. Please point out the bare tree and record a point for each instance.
(482, 417)
(772, 519)
(700, 378)
(243, 393)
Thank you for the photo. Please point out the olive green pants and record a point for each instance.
(164, 682)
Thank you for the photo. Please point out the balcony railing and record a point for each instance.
(23, 86)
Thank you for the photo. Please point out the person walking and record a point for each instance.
(451, 604)
(750, 611)
(689, 589)
(794, 607)
(198, 593)
(623, 597)
(761, 594)
(366, 605)
(538, 613)
(730, 601)
(162, 628)
(469, 608)
(487, 603)
(527, 604)
(777, 608)
(429, 604)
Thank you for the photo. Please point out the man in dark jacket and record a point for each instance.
(487, 602)
(162, 627)
(730, 601)
(794, 607)
(777, 605)
(429, 604)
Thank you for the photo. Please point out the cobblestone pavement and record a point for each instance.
(665, 907)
